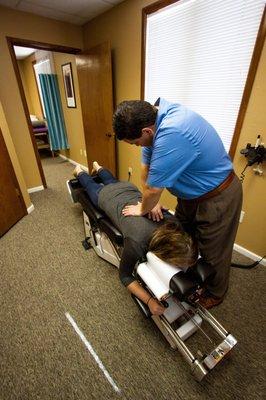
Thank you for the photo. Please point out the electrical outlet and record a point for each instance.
(85, 153)
(80, 152)
(241, 216)
(130, 170)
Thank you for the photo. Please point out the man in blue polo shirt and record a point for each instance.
(183, 153)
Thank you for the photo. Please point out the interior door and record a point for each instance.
(96, 94)
(12, 206)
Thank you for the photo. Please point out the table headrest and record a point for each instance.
(157, 274)
(162, 269)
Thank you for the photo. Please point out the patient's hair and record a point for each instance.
(131, 117)
(174, 246)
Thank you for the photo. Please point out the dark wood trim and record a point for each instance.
(157, 6)
(26, 110)
(143, 53)
(251, 74)
(249, 83)
(146, 11)
(37, 45)
(42, 45)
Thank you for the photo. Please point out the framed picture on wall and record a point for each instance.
(69, 85)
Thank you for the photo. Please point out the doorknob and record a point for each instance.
(109, 135)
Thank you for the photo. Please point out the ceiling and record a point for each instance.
(23, 52)
(76, 12)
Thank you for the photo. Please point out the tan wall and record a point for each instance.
(13, 156)
(27, 26)
(73, 116)
(251, 233)
(30, 86)
(122, 27)
(24, 79)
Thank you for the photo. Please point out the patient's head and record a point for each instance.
(172, 245)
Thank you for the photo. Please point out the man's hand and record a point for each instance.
(156, 214)
(132, 210)
(155, 307)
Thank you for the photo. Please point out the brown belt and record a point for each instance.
(215, 191)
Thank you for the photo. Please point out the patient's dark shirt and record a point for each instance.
(135, 230)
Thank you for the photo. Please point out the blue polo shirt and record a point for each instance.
(187, 155)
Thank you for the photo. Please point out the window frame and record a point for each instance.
(250, 76)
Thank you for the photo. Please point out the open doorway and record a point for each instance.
(26, 55)
(30, 62)
(55, 116)
(86, 98)
(89, 124)
(37, 46)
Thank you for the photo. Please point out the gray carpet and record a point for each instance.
(45, 272)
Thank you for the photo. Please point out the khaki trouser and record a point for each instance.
(214, 222)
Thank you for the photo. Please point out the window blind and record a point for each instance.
(198, 53)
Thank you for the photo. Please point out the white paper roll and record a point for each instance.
(158, 288)
(163, 270)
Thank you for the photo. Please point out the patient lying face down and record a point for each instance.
(165, 238)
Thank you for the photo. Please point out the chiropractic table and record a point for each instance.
(177, 290)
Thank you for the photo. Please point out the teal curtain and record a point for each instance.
(54, 112)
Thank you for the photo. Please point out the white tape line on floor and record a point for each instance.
(93, 353)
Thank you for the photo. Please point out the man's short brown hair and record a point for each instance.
(131, 117)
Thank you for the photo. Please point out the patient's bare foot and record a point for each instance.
(77, 170)
(95, 167)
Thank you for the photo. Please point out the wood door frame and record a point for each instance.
(11, 41)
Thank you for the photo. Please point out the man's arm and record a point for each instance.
(144, 172)
(155, 212)
(150, 198)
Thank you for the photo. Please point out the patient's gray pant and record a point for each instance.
(214, 222)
